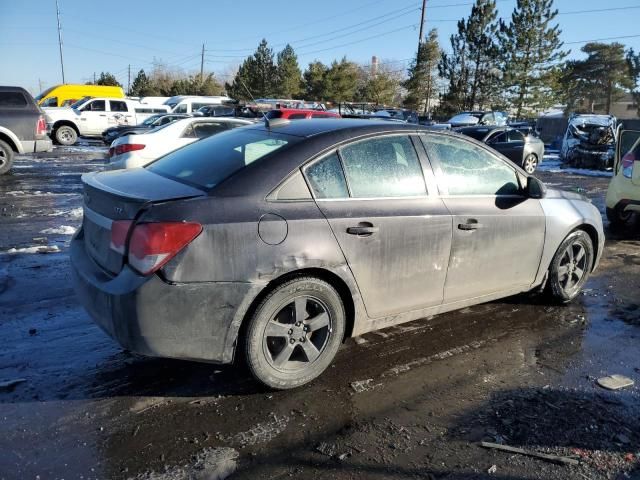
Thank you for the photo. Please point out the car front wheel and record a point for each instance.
(530, 163)
(571, 266)
(6, 157)
(618, 217)
(66, 135)
(294, 333)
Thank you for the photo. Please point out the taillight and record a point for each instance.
(41, 126)
(627, 164)
(119, 230)
(125, 148)
(153, 244)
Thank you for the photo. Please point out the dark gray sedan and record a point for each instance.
(526, 151)
(277, 241)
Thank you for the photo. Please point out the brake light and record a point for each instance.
(153, 244)
(125, 148)
(41, 126)
(627, 164)
(119, 230)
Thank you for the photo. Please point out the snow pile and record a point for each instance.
(35, 249)
(553, 164)
(61, 230)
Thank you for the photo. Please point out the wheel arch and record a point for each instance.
(69, 123)
(10, 139)
(593, 234)
(323, 274)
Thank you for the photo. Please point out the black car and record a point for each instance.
(110, 134)
(217, 111)
(524, 150)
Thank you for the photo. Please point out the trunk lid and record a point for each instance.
(122, 195)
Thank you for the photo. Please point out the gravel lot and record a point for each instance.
(411, 401)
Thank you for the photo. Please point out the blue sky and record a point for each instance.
(108, 36)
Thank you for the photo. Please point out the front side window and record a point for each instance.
(468, 169)
(383, 167)
(515, 136)
(95, 106)
(327, 178)
(181, 108)
(50, 102)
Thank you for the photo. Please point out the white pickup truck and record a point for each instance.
(90, 117)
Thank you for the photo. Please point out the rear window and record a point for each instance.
(207, 162)
(274, 114)
(12, 99)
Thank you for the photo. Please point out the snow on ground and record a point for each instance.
(61, 230)
(35, 249)
(73, 213)
(552, 163)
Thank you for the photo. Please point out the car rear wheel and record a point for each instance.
(530, 163)
(294, 333)
(66, 135)
(570, 267)
(618, 217)
(6, 157)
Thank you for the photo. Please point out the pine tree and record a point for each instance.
(258, 74)
(341, 81)
(107, 78)
(530, 46)
(142, 86)
(379, 86)
(605, 74)
(289, 74)
(472, 68)
(314, 81)
(423, 75)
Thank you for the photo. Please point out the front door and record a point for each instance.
(395, 234)
(498, 232)
(94, 119)
(509, 143)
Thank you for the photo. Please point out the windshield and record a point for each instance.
(464, 118)
(207, 162)
(44, 94)
(79, 102)
(151, 119)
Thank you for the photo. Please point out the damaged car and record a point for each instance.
(276, 241)
(590, 142)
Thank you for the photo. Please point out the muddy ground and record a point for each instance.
(412, 401)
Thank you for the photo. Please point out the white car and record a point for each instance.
(131, 151)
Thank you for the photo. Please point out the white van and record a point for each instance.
(192, 103)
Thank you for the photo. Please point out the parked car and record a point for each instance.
(90, 117)
(468, 119)
(217, 111)
(22, 126)
(590, 141)
(526, 151)
(299, 113)
(137, 150)
(110, 134)
(276, 241)
(623, 194)
(402, 114)
(68, 94)
(192, 103)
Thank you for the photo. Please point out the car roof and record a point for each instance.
(313, 127)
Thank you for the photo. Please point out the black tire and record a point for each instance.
(6, 157)
(570, 267)
(297, 352)
(618, 218)
(530, 163)
(65, 135)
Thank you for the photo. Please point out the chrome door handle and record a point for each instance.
(363, 230)
(471, 224)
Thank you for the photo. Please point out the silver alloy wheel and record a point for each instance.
(530, 163)
(3, 158)
(572, 268)
(297, 335)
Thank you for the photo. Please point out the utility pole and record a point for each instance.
(202, 65)
(129, 79)
(424, 6)
(60, 40)
(94, 78)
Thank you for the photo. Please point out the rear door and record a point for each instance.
(395, 232)
(94, 119)
(498, 232)
(119, 113)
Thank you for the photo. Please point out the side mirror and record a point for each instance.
(535, 188)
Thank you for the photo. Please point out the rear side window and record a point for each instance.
(12, 99)
(95, 106)
(204, 130)
(117, 106)
(208, 162)
(320, 115)
(515, 136)
(383, 167)
(297, 116)
(327, 178)
(468, 169)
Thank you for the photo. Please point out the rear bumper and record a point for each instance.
(150, 317)
(40, 145)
